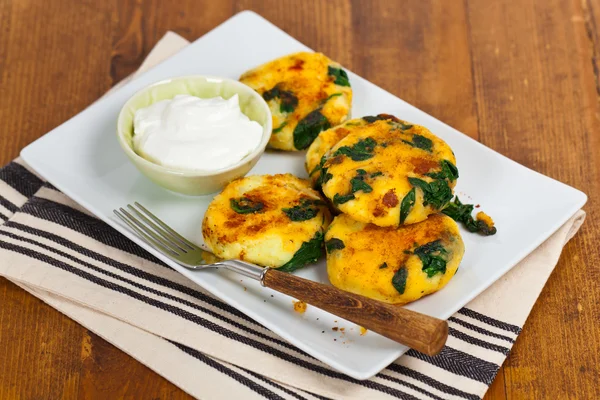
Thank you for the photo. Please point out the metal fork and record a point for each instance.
(418, 331)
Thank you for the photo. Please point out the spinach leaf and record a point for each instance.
(449, 171)
(309, 128)
(399, 280)
(304, 211)
(332, 95)
(420, 142)
(361, 172)
(340, 76)
(278, 129)
(360, 151)
(380, 117)
(383, 266)
(288, 101)
(244, 205)
(407, 203)
(432, 256)
(308, 253)
(372, 118)
(436, 193)
(342, 198)
(359, 184)
(325, 176)
(462, 213)
(315, 170)
(399, 125)
(334, 244)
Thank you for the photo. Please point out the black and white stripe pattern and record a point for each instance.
(34, 227)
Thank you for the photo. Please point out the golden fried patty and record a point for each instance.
(324, 142)
(306, 92)
(389, 172)
(393, 265)
(270, 220)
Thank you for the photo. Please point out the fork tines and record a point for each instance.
(154, 231)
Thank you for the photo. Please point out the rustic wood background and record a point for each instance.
(519, 76)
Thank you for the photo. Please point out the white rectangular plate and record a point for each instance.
(83, 159)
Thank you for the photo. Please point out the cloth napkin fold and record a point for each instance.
(57, 251)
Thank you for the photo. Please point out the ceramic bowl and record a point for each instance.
(185, 181)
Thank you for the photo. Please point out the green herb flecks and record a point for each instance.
(332, 96)
(278, 129)
(436, 193)
(372, 118)
(339, 75)
(383, 266)
(324, 176)
(375, 174)
(309, 128)
(360, 151)
(357, 184)
(399, 125)
(420, 142)
(308, 253)
(432, 256)
(244, 205)
(307, 209)
(342, 198)
(334, 244)
(399, 280)
(462, 213)
(288, 101)
(407, 203)
(448, 171)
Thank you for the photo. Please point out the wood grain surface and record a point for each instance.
(521, 76)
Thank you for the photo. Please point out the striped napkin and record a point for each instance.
(60, 253)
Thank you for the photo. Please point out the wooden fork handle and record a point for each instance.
(417, 331)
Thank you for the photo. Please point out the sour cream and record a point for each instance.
(194, 134)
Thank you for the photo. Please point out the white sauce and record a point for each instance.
(190, 133)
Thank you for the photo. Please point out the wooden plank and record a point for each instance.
(419, 51)
(108, 373)
(537, 104)
(55, 64)
(52, 65)
(526, 88)
(39, 348)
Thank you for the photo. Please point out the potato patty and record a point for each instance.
(269, 220)
(306, 92)
(389, 172)
(324, 142)
(395, 264)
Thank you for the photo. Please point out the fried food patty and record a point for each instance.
(324, 142)
(395, 264)
(389, 172)
(306, 92)
(270, 220)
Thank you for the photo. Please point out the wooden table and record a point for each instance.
(519, 76)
